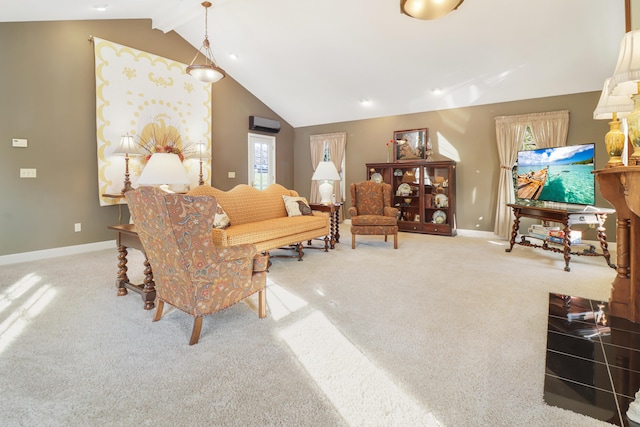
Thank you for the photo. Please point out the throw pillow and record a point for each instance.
(304, 208)
(296, 206)
(220, 219)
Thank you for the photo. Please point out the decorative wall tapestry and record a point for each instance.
(154, 100)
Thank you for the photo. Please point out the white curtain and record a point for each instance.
(337, 143)
(549, 130)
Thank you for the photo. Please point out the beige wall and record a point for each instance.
(467, 132)
(47, 95)
(47, 92)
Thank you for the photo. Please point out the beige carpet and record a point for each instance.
(441, 332)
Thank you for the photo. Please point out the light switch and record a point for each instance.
(232, 174)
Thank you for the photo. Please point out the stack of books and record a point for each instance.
(541, 232)
(575, 236)
(554, 234)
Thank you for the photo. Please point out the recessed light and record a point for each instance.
(100, 7)
(437, 91)
(233, 56)
(365, 102)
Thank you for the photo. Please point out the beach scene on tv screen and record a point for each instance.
(559, 174)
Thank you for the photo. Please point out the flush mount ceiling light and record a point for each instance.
(428, 9)
(209, 72)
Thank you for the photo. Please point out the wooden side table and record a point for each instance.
(127, 237)
(334, 214)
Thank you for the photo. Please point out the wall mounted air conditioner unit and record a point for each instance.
(264, 125)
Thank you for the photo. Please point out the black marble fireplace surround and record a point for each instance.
(593, 359)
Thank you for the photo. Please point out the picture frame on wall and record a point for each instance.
(410, 144)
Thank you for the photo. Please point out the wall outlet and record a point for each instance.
(232, 175)
(78, 227)
(27, 173)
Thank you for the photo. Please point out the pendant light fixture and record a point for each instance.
(428, 9)
(209, 72)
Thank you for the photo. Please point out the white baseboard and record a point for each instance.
(109, 244)
(479, 233)
(56, 252)
(462, 232)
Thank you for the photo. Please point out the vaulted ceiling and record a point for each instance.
(326, 61)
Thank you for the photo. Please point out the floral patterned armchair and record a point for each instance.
(191, 273)
(371, 211)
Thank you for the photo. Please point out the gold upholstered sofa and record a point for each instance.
(260, 217)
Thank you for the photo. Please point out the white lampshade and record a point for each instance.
(610, 104)
(200, 150)
(127, 146)
(428, 9)
(628, 65)
(164, 168)
(326, 172)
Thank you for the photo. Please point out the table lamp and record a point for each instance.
(611, 107)
(164, 169)
(327, 173)
(128, 147)
(626, 81)
(201, 151)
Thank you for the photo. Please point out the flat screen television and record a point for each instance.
(558, 174)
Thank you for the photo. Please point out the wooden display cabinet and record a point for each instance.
(424, 193)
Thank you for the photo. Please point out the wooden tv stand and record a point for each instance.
(566, 218)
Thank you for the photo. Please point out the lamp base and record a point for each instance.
(127, 182)
(614, 162)
(127, 186)
(326, 189)
(614, 141)
(634, 157)
(633, 120)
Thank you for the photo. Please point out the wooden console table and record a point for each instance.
(621, 187)
(564, 217)
(127, 237)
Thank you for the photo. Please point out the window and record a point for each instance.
(262, 160)
(528, 143)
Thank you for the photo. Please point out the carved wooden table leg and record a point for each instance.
(567, 246)
(332, 231)
(127, 238)
(337, 235)
(514, 230)
(602, 238)
(122, 278)
(149, 287)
